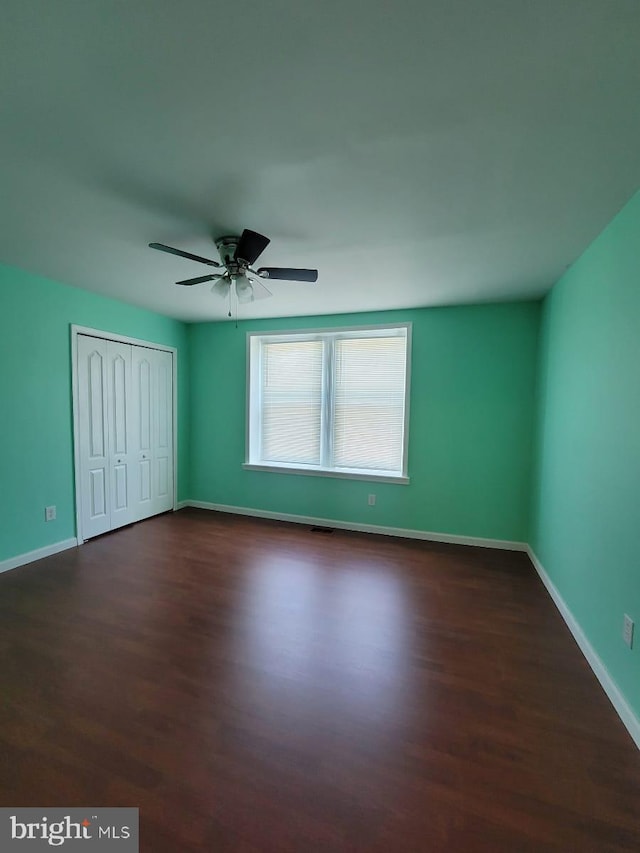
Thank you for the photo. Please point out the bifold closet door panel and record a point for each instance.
(93, 438)
(153, 403)
(122, 434)
(162, 424)
(143, 378)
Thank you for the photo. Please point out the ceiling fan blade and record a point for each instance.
(162, 248)
(188, 282)
(221, 287)
(288, 274)
(250, 246)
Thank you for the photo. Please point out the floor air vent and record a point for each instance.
(325, 530)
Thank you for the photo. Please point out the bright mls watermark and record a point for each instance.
(104, 830)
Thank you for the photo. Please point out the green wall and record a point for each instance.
(470, 440)
(586, 510)
(36, 438)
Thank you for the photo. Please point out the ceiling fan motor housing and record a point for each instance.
(227, 249)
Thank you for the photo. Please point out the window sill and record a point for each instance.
(327, 472)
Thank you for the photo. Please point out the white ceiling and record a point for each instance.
(421, 152)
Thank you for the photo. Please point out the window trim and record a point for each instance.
(252, 421)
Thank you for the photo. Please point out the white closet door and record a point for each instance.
(143, 376)
(122, 431)
(125, 433)
(153, 401)
(93, 440)
(162, 426)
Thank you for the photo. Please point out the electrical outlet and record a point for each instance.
(627, 631)
(50, 513)
(372, 500)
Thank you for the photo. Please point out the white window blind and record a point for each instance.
(291, 401)
(369, 403)
(331, 402)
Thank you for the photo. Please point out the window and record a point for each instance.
(330, 402)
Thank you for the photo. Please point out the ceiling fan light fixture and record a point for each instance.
(244, 289)
(221, 286)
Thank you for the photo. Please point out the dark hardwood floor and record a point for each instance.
(253, 686)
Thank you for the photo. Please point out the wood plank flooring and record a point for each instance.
(253, 686)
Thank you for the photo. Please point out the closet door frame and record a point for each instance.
(121, 339)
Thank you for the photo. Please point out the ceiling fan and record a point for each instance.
(237, 254)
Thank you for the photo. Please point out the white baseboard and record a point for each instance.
(181, 505)
(615, 695)
(401, 532)
(38, 554)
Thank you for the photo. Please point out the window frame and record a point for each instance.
(253, 421)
